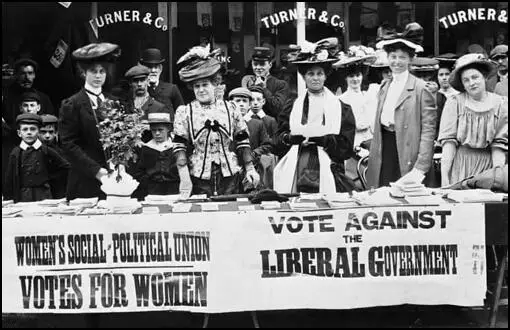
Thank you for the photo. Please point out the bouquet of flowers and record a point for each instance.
(120, 133)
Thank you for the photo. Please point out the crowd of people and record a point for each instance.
(398, 110)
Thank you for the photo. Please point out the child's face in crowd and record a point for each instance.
(28, 133)
(258, 101)
(160, 132)
(48, 133)
(30, 107)
(443, 76)
(243, 103)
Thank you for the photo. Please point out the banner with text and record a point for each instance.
(236, 261)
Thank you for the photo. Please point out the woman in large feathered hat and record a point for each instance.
(316, 130)
(405, 121)
(211, 137)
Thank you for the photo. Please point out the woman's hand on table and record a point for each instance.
(251, 175)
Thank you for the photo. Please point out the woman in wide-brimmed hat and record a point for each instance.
(316, 130)
(210, 134)
(405, 121)
(474, 124)
(353, 65)
(79, 116)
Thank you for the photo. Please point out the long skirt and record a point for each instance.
(469, 161)
(390, 168)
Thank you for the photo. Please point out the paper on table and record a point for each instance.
(270, 205)
(303, 206)
(474, 196)
(181, 207)
(210, 206)
(426, 200)
(151, 210)
(246, 207)
(199, 197)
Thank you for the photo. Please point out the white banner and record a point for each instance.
(219, 262)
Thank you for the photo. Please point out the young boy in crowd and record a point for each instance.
(48, 134)
(260, 141)
(256, 112)
(156, 169)
(30, 103)
(31, 164)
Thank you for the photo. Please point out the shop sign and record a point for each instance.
(295, 14)
(474, 14)
(128, 16)
(60, 54)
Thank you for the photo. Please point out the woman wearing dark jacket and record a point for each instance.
(79, 117)
(316, 130)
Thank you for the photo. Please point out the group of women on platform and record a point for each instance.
(318, 131)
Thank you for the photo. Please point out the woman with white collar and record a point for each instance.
(316, 131)
(363, 102)
(156, 169)
(80, 115)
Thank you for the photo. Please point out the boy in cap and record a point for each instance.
(276, 91)
(261, 142)
(156, 169)
(31, 164)
(48, 134)
(500, 55)
(30, 103)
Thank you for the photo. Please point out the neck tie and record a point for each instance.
(99, 102)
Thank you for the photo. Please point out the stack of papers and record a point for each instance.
(84, 202)
(411, 189)
(303, 206)
(161, 199)
(380, 197)
(181, 207)
(66, 210)
(6, 203)
(340, 200)
(11, 212)
(475, 196)
(52, 202)
(272, 205)
(95, 211)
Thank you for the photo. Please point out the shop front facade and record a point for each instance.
(37, 29)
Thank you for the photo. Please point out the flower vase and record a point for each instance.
(118, 186)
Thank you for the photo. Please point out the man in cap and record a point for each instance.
(31, 164)
(163, 92)
(276, 92)
(500, 55)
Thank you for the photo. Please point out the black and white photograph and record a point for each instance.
(254, 164)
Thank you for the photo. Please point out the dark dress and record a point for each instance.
(58, 179)
(29, 171)
(157, 173)
(81, 145)
(339, 148)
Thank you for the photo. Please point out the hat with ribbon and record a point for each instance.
(356, 55)
(381, 59)
(424, 64)
(103, 51)
(151, 56)
(477, 61)
(198, 63)
(48, 119)
(159, 118)
(447, 60)
(322, 51)
(412, 37)
(240, 91)
(29, 118)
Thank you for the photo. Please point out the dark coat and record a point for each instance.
(150, 106)
(54, 164)
(260, 142)
(169, 95)
(81, 145)
(276, 94)
(58, 179)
